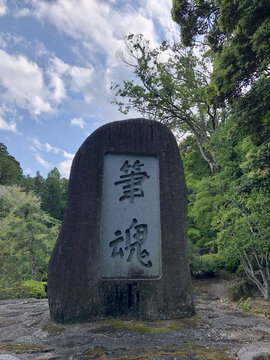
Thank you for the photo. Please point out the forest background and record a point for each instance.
(213, 91)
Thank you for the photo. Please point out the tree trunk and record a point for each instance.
(210, 161)
(266, 285)
(33, 267)
(32, 258)
(262, 282)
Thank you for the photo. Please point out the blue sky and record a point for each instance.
(57, 61)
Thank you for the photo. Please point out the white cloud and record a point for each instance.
(36, 148)
(43, 162)
(78, 122)
(22, 84)
(81, 79)
(65, 166)
(68, 155)
(161, 11)
(8, 126)
(77, 79)
(40, 150)
(36, 143)
(99, 27)
(58, 91)
(95, 22)
(50, 148)
(3, 7)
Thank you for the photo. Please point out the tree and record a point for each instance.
(243, 227)
(195, 17)
(199, 185)
(51, 191)
(10, 170)
(237, 31)
(27, 236)
(34, 184)
(171, 90)
(53, 196)
(251, 113)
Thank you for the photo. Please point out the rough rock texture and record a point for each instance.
(76, 291)
(251, 352)
(219, 331)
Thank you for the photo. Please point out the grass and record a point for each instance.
(255, 306)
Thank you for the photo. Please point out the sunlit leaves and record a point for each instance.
(27, 236)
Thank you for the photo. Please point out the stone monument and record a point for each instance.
(121, 251)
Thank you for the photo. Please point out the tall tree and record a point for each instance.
(34, 184)
(195, 17)
(27, 235)
(237, 31)
(171, 89)
(243, 227)
(10, 170)
(53, 196)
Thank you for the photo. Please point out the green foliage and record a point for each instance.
(27, 236)
(246, 52)
(194, 165)
(194, 17)
(237, 32)
(33, 289)
(251, 113)
(52, 192)
(243, 225)
(208, 265)
(170, 87)
(246, 305)
(203, 198)
(53, 196)
(202, 208)
(25, 289)
(27, 232)
(34, 184)
(10, 170)
(194, 258)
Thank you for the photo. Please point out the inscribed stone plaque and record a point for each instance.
(130, 235)
(121, 251)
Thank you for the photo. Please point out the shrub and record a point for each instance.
(26, 289)
(32, 289)
(208, 265)
(239, 289)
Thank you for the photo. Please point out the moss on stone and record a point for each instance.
(96, 353)
(20, 348)
(183, 352)
(52, 329)
(152, 327)
(197, 351)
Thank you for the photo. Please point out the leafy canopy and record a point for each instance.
(27, 236)
(238, 32)
(10, 170)
(169, 87)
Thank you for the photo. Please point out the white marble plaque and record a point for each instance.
(130, 231)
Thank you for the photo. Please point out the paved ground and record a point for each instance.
(219, 331)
